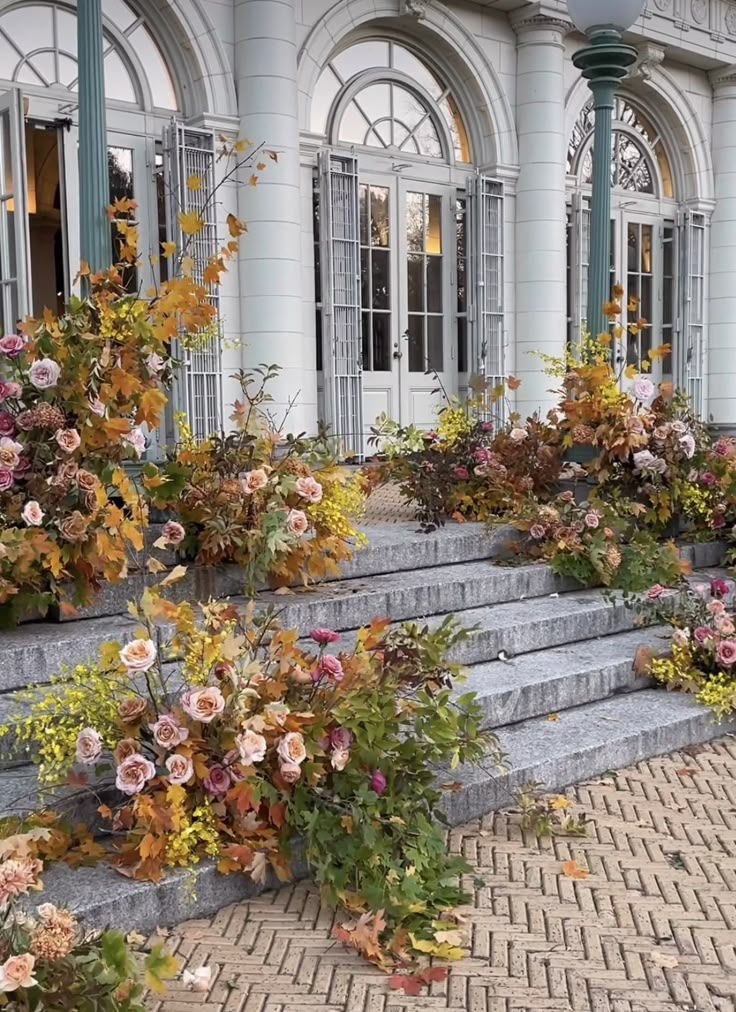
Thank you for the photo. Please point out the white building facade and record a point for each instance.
(428, 216)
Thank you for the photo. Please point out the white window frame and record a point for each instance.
(485, 280)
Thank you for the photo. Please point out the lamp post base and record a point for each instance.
(604, 64)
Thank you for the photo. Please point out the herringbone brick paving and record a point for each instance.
(652, 928)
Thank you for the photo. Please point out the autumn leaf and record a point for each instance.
(572, 870)
(258, 868)
(253, 181)
(559, 803)
(553, 717)
(191, 222)
(643, 660)
(168, 248)
(513, 383)
(194, 183)
(235, 226)
(261, 166)
(176, 574)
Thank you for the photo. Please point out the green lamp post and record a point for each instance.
(604, 64)
(94, 185)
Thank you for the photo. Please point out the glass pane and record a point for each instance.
(364, 215)
(417, 71)
(462, 344)
(380, 228)
(67, 70)
(118, 84)
(365, 278)
(434, 284)
(30, 27)
(159, 79)
(428, 140)
(645, 307)
(353, 126)
(325, 92)
(66, 30)
(366, 337)
(380, 280)
(45, 65)
(362, 56)
(7, 158)
(646, 249)
(407, 106)
(632, 247)
(434, 228)
(667, 290)
(415, 282)
(119, 13)
(374, 102)
(382, 342)
(12, 270)
(416, 343)
(27, 75)
(434, 342)
(415, 221)
(667, 252)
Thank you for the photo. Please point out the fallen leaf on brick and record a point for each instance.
(664, 960)
(553, 717)
(688, 771)
(572, 870)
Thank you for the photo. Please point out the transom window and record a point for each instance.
(640, 163)
(38, 49)
(408, 110)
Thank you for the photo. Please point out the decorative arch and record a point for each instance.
(673, 115)
(474, 81)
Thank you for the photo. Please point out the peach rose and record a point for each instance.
(339, 759)
(291, 748)
(10, 452)
(86, 481)
(74, 528)
(130, 711)
(290, 772)
(254, 481)
(251, 747)
(124, 749)
(33, 514)
(134, 773)
(309, 489)
(68, 440)
(89, 746)
(203, 704)
(180, 767)
(297, 522)
(138, 655)
(168, 733)
(18, 972)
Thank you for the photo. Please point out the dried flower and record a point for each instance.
(167, 732)
(131, 710)
(18, 972)
(33, 514)
(138, 655)
(173, 532)
(180, 767)
(44, 374)
(89, 746)
(134, 773)
(203, 704)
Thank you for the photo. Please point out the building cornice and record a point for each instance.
(540, 15)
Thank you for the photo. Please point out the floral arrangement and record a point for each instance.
(251, 739)
(49, 964)
(702, 654)
(465, 469)
(277, 506)
(595, 543)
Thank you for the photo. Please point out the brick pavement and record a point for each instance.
(651, 929)
(386, 506)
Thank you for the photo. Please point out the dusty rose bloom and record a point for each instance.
(180, 768)
(44, 374)
(167, 732)
(87, 482)
(251, 747)
(291, 748)
(33, 514)
(89, 746)
(18, 972)
(254, 481)
(6, 479)
(339, 759)
(125, 749)
(290, 772)
(309, 489)
(10, 452)
(74, 527)
(297, 522)
(130, 711)
(138, 655)
(12, 345)
(69, 440)
(173, 532)
(217, 780)
(134, 773)
(203, 704)
(18, 876)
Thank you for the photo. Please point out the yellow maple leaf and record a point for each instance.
(571, 869)
(169, 248)
(560, 803)
(151, 405)
(194, 183)
(191, 222)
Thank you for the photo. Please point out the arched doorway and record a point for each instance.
(657, 246)
(398, 141)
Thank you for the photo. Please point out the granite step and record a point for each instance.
(586, 741)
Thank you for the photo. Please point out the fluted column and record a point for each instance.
(94, 185)
(541, 275)
(721, 337)
(270, 265)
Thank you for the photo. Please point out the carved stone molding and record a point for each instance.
(723, 76)
(539, 15)
(663, 5)
(414, 8)
(650, 57)
(699, 11)
(729, 19)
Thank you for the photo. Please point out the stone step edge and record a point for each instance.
(102, 897)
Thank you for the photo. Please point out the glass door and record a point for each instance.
(15, 283)
(427, 367)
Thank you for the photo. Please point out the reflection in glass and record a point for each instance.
(415, 221)
(434, 284)
(7, 156)
(415, 282)
(434, 227)
(415, 336)
(382, 342)
(380, 230)
(120, 172)
(380, 279)
(434, 343)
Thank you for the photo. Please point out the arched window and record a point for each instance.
(640, 163)
(379, 94)
(38, 50)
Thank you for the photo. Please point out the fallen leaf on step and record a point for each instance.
(643, 660)
(283, 591)
(663, 959)
(560, 802)
(687, 771)
(453, 787)
(571, 869)
(553, 716)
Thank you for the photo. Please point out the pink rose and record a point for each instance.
(608, 532)
(378, 783)
(291, 748)
(724, 625)
(12, 390)
(180, 767)
(203, 704)
(708, 478)
(173, 532)
(89, 746)
(482, 455)
(592, 520)
(461, 472)
(168, 733)
(10, 452)
(716, 607)
(297, 522)
(518, 435)
(643, 389)
(329, 667)
(324, 636)
(134, 773)
(486, 426)
(537, 531)
(720, 587)
(702, 635)
(726, 653)
(339, 759)
(656, 591)
(7, 424)
(290, 772)
(6, 479)
(44, 374)
(254, 481)
(97, 407)
(251, 747)
(17, 971)
(340, 738)
(68, 439)
(22, 469)
(33, 514)
(138, 655)
(136, 440)
(309, 489)
(217, 780)
(681, 637)
(12, 345)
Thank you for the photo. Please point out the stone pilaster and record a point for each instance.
(270, 264)
(721, 333)
(541, 321)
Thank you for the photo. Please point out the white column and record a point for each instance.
(721, 335)
(270, 262)
(541, 321)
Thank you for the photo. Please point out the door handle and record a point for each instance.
(397, 354)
